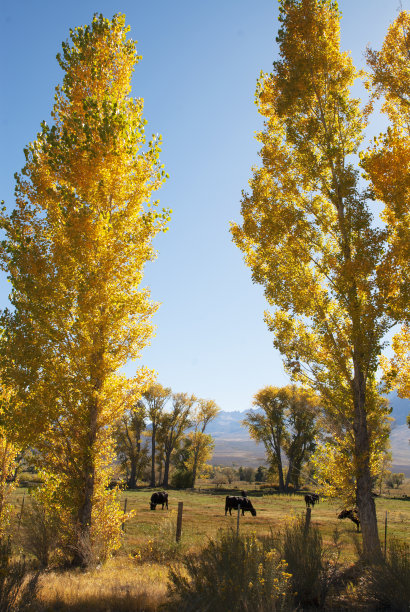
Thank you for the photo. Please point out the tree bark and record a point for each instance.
(280, 472)
(364, 499)
(153, 435)
(85, 510)
(132, 480)
(166, 469)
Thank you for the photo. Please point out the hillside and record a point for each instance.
(233, 444)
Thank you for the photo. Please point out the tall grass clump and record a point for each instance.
(231, 572)
(40, 531)
(389, 581)
(17, 589)
(313, 568)
(162, 547)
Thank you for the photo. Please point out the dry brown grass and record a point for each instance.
(119, 586)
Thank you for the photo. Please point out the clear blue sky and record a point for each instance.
(198, 74)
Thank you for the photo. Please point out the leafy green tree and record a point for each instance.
(261, 474)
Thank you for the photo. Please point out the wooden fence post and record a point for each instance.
(21, 510)
(179, 521)
(385, 535)
(125, 510)
(307, 521)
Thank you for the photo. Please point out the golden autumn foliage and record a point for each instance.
(286, 423)
(387, 166)
(309, 237)
(75, 249)
(8, 453)
(201, 444)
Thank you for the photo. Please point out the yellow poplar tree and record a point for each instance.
(387, 166)
(75, 249)
(8, 454)
(308, 233)
(201, 444)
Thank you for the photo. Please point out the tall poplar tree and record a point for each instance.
(308, 233)
(387, 165)
(75, 249)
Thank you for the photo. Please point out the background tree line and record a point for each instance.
(175, 424)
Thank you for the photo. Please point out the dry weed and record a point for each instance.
(119, 585)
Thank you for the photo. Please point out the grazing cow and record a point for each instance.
(233, 502)
(311, 499)
(352, 515)
(159, 497)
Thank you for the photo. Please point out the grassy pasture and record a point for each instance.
(136, 578)
(204, 515)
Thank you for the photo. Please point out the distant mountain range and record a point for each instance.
(234, 446)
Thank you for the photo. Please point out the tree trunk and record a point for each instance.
(160, 471)
(289, 475)
(132, 480)
(280, 473)
(81, 552)
(364, 499)
(166, 469)
(153, 435)
(194, 468)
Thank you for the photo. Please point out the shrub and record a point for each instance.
(312, 567)
(40, 531)
(17, 591)
(389, 581)
(182, 479)
(231, 573)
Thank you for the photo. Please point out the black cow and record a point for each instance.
(311, 499)
(160, 497)
(233, 502)
(352, 515)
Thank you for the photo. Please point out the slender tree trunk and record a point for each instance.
(194, 468)
(132, 480)
(280, 470)
(153, 435)
(289, 474)
(364, 499)
(160, 471)
(166, 468)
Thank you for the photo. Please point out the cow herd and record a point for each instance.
(244, 504)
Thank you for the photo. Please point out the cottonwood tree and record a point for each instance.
(387, 165)
(154, 400)
(334, 457)
(9, 452)
(172, 427)
(129, 445)
(286, 423)
(75, 249)
(201, 444)
(308, 232)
